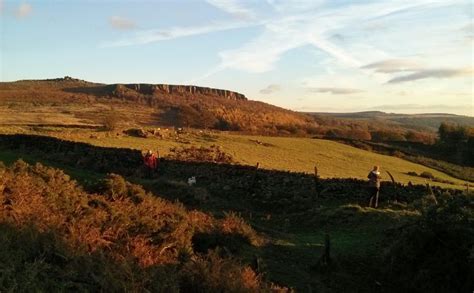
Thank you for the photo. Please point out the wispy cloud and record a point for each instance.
(301, 23)
(433, 73)
(286, 25)
(121, 23)
(335, 90)
(150, 36)
(270, 89)
(233, 7)
(394, 65)
(23, 10)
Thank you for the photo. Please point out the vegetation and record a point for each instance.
(456, 143)
(111, 120)
(435, 252)
(75, 102)
(212, 154)
(56, 237)
(292, 154)
(292, 208)
(262, 210)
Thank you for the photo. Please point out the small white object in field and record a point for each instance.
(191, 181)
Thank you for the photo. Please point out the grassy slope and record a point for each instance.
(293, 154)
(294, 250)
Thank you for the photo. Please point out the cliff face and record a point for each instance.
(156, 89)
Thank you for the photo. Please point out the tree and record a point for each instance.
(454, 133)
(111, 120)
(188, 117)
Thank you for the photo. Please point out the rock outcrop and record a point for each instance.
(154, 89)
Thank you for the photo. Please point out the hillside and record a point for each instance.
(333, 159)
(428, 122)
(76, 102)
(295, 230)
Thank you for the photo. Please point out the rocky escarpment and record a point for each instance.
(156, 89)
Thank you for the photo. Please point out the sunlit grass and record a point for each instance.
(283, 153)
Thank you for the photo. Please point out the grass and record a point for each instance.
(357, 233)
(84, 177)
(283, 153)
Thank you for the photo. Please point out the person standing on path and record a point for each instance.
(374, 183)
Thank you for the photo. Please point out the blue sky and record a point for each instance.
(308, 55)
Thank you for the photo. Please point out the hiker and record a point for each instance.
(374, 183)
(151, 163)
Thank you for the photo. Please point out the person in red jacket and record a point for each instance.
(151, 163)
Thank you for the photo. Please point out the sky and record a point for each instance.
(400, 56)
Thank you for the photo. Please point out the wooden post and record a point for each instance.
(255, 176)
(433, 196)
(327, 249)
(316, 181)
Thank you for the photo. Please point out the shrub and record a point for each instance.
(213, 273)
(202, 154)
(60, 238)
(387, 135)
(435, 254)
(115, 186)
(111, 120)
(427, 175)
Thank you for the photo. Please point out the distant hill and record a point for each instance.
(75, 101)
(427, 121)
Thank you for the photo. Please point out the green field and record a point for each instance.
(281, 153)
(359, 235)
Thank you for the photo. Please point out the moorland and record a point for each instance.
(279, 204)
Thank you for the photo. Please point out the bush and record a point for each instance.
(435, 254)
(387, 135)
(213, 273)
(193, 154)
(427, 175)
(57, 237)
(115, 187)
(111, 120)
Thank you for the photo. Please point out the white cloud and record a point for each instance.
(270, 89)
(294, 24)
(394, 65)
(433, 73)
(233, 7)
(150, 36)
(121, 23)
(24, 10)
(335, 90)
